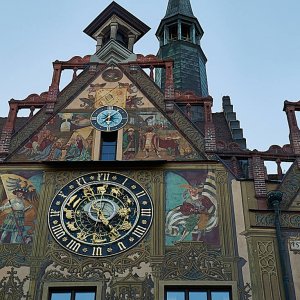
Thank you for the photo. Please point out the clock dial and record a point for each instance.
(100, 214)
(109, 118)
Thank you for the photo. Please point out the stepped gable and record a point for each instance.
(223, 132)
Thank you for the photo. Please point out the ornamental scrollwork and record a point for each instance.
(289, 220)
(245, 292)
(132, 258)
(221, 177)
(127, 276)
(12, 287)
(266, 256)
(290, 185)
(194, 261)
(16, 255)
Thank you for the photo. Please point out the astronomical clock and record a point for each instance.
(100, 214)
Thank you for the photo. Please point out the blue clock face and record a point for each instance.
(109, 118)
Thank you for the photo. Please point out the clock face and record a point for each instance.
(109, 118)
(100, 214)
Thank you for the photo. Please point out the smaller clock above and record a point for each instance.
(109, 118)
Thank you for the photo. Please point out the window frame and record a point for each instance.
(68, 286)
(203, 289)
(196, 285)
(104, 135)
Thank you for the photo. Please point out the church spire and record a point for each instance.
(179, 7)
(179, 34)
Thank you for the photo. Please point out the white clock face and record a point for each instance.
(109, 118)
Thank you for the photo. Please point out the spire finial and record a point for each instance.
(182, 7)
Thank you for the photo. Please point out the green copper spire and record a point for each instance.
(179, 34)
(179, 7)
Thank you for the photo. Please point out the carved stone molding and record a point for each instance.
(194, 261)
(267, 219)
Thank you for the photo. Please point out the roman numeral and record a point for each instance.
(141, 194)
(97, 251)
(103, 176)
(61, 194)
(81, 181)
(74, 246)
(121, 246)
(58, 231)
(54, 213)
(146, 212)
(139, 231)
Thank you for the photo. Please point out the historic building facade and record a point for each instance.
(125, 184)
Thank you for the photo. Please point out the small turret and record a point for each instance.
(116, 31)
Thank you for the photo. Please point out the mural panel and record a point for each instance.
(18, 206)
(191, 207)
(149, 135)
(69, 136)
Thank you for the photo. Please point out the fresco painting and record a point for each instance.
(191, 207)
(69, 136)
(18, 206)
(149, 135)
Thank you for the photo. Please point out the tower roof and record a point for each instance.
(182, 7)
(115, 9)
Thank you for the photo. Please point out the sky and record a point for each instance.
(253, 51)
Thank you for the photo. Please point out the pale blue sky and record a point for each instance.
(253, 51)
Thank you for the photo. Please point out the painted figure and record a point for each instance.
(198, 208)
(13, 228)
(130, 143)
(150, 142)
(196, 216)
